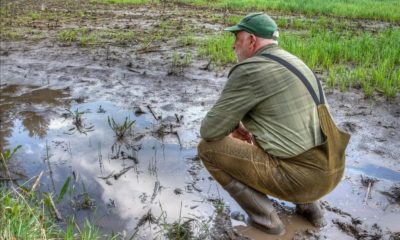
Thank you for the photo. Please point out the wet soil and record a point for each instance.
(152, 180)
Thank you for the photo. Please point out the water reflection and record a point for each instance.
(33, 105)
(124, 178)
(379, 172)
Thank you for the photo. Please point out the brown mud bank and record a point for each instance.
(152, 178)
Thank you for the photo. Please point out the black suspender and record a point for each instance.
(301, 77)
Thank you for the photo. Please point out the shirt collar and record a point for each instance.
(262, 49)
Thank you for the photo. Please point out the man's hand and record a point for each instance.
(242, 133)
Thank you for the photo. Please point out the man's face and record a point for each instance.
(243, 45)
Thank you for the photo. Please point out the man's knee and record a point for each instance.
(206, 150)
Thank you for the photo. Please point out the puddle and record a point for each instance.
(375, 171)
(124, 179)
(114, 183)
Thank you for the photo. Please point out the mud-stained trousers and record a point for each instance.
(300, 179)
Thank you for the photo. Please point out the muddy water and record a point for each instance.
(116, 182)
(156, 175)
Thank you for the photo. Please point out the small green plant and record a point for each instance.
(120, 129)
(186, 40)
(77, 117)
(180, 62)
(120, 37)
(219, 206)
(88, 40)
(86, 202)
(77, 121)
(180, 230)
(63, 189)
(89, 231)
(34, 15)
(69, 35)
(10, 34)
(5, 157)
(184, 228)
(9, 153)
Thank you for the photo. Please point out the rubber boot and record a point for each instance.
(258, 206)
(312, 212)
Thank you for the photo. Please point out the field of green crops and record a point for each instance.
(355, 42)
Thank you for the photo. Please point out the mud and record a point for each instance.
(151, 182)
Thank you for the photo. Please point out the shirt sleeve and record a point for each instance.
(237, 98)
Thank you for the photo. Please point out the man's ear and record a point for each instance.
(253, 40)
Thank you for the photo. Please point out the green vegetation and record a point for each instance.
(364, 59)
(88, 37)
(184, 228)
(69, 35)
(219, 206)
(388, 10)
(353, 58)
(7, 155)
(219, 48)
(78, 122)
(24, 215)
(120, 129)
(128, 1)
(181, 60)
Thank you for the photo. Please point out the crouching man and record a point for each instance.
(270, 132)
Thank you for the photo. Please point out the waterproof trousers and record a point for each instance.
(300, 179)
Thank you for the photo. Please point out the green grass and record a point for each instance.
(127, 1)
(21, 217)
(218, 48)
(24, 216)
(352, 58)
(387, 10)
(120, 128)
(85, 37)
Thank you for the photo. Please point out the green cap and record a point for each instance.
(259, 24)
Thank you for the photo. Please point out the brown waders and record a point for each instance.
(248, 173)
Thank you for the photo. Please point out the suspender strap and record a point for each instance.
(301, 77)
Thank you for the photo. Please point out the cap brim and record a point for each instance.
(235, 28)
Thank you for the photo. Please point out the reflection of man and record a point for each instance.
(270, 132)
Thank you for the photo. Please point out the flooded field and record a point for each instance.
(59, 102)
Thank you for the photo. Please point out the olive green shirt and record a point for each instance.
(272, 102)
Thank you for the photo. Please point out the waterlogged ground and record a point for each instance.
(152, 177)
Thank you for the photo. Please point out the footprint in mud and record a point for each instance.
(349, 127)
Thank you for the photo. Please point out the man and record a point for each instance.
(270, 133)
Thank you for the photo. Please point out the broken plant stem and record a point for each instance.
(108, 176)
(179, 139)
(157, 188)
(153, 113)
(117, 175)
(57, 213)
(368, 192)
(34, 186)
